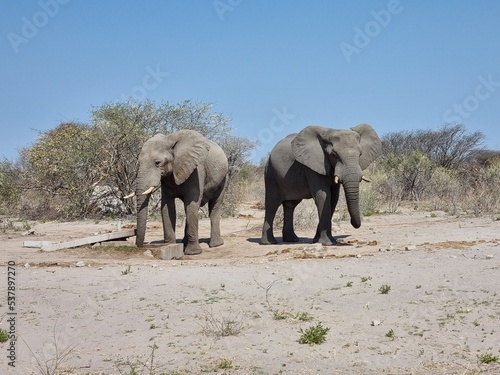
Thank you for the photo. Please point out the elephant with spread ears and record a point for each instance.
(314, 163)
(185, 165)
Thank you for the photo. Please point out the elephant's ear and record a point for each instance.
(190, 150)
(307, 148)
(371, 145)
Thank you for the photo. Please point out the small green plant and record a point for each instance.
(126, 271)
(364, 279)
(304, 317)
(390, 334)
(4, 335)
(384, 289)
(313, 335)
(224, 363)
(476, 323)
(348, 284)
(488, 358)
(418, 286)
(280, 315)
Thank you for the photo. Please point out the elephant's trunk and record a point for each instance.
(351, 190)
(142, 218)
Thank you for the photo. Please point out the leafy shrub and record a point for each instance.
(313, 335)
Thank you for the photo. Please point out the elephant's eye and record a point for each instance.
(159, 163)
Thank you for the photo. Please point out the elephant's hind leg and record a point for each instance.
(214, 211)
(267, 229)
(288, 230)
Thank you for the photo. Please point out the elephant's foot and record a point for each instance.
(215, 242)
(325, 240)
(192, 249)
(290, 237)
(268, 241)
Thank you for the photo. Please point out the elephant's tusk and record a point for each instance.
(336, 179)
(364, 178)
(149, 191)
(129, 196)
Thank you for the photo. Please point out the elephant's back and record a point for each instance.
(281, 157)
(217, 158)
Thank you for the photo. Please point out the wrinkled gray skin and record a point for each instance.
(305, 165)
(188, 166)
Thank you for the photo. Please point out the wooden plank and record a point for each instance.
(89, 240)
(36, 243)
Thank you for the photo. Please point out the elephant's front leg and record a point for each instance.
(168, 216)
(323, 198)
(191, 242)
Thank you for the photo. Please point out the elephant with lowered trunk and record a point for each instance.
(188, 166)
(313, 164)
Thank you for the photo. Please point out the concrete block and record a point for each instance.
(168, 252)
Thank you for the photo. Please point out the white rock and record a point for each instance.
(314, 247)
(376, 322)
(410, 247)
(80, 264)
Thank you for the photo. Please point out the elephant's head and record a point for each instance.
(174, 156)
(341, 154)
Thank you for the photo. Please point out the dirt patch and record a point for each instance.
(240, 308)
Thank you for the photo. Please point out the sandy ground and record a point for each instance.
(240, 308)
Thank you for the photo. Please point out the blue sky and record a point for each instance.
(274, 67)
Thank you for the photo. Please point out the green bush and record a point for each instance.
(313, 335)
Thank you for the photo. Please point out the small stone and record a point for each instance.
(80, 264)
(410, 247)
(313, 247)
(489, 256)
(358, 256)
(376, 322)
(27, 265)
(30, 232)
(148, 254)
